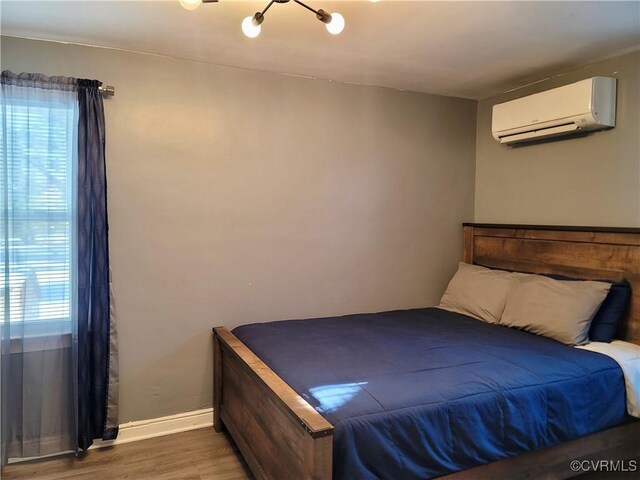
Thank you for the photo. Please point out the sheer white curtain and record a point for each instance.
(38, 180)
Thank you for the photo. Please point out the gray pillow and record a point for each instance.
(558, 309)
(478, 292)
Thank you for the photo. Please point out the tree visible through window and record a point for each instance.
(38, 186)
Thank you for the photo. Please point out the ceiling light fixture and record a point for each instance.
(190, 4)
(251, 26)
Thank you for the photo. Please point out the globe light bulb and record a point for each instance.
(250, 28)
(336, 25)
(190, 4)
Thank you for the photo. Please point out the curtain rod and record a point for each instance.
(107, 90)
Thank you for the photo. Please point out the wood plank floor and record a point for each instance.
(196, 455)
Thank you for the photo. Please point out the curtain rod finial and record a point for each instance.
(107, 90)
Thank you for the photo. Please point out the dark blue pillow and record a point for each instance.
(611, 313)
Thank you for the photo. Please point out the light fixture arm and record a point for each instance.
(267, 7)
(321, 15)
(258, 18)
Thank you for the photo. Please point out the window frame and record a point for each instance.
(57, 330)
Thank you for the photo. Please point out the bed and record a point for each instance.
(297, 408)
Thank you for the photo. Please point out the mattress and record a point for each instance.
(415, 394)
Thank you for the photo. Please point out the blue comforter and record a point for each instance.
(421, 393)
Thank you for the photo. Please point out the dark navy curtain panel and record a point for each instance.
(59, 355)
(94, 296)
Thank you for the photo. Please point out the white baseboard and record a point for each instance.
(157, 427)
(145, 429)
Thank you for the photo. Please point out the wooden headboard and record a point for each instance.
(580, 252)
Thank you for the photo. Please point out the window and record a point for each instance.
(38, 182)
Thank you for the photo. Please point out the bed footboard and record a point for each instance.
(279, 434)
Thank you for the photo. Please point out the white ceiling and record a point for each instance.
(464, 49)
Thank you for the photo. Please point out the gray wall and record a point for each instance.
(238, 196)
(593, 180)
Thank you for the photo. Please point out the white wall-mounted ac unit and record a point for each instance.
(582, 106)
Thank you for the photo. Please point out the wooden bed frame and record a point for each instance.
(283, 438)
